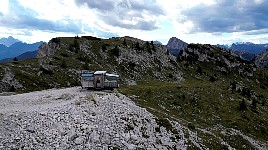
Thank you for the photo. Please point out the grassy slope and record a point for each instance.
(200, 103)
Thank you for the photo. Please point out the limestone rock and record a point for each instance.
(47, 49)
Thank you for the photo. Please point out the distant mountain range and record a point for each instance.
(246, 50)
(26, 55)
(245, 55)
(157, 42)
(247, 47)
(8, 41)
(17, 49)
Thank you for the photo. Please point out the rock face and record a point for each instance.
(262, 59)
(137, 61)
(5, 87)
(175, 45)
(47, 49)
(223, 59)
(9, 83)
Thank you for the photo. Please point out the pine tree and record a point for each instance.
(254, 104)
(125, 42)
(76, 45)
(85, 66)
(115, 51)
(63, 64)
(243, 105)
(148, 47)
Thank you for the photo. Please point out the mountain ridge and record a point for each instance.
(17, 49)
(247, 47)
(8, 41)
(23, 56)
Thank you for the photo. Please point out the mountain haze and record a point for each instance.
(17, 49)
(247, 47)
(26, 55)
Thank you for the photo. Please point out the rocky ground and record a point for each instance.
(74, 119)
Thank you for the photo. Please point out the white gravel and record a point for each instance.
(74, 119)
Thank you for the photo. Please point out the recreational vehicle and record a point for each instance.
(99, 80)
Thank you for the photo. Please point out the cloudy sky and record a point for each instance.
(195, 21)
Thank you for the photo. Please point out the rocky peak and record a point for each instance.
(8, 41)
(174, 45)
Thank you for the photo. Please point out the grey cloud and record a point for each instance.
(140, 25)
(150, 6)
(228, 16)
(102, 5)
(24, 22)
(22, 18)
(114, 12)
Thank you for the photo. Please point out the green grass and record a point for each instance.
(203, 104)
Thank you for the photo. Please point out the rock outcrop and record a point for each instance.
(9, 83)
(47, 49)
(175, 45)
(262, 60)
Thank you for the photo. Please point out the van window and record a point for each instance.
(87, 78)
(111, 78)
